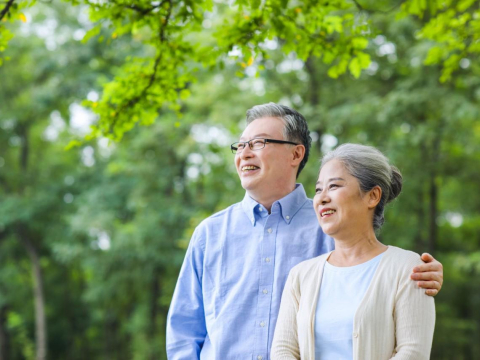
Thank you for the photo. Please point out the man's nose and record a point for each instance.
(246, 153)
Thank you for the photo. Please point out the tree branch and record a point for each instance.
(139, 9)
(370, 11)
(4, 12)
(153, 76)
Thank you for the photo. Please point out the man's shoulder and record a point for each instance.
(211, 225)
(220, 218)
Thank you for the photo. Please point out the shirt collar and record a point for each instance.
(289, 205)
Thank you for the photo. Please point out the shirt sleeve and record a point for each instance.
(285, 341)
(414, 317)
(186, 328)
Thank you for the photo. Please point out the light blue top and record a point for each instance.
(342, 289)
(226, 301)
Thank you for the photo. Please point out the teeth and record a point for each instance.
(245, 168)
(328, 212)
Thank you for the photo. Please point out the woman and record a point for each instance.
(356, 302)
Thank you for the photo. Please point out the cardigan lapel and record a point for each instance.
(317, 276)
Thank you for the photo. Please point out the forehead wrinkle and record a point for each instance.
(256, 136)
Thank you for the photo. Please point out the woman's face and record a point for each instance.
(342, 209)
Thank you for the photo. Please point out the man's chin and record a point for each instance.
(249, 185)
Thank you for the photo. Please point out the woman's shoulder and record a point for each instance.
(401, 259)
(309, 267)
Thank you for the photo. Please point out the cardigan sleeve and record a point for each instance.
(414, 317)
(285, 341)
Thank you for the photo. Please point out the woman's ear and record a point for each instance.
(374, 197)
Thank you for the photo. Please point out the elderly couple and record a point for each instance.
(279, 276)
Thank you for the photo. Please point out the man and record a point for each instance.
(228, 294)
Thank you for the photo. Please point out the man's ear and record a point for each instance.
(374, 197)
(298, 154)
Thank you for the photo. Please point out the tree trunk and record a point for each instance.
(155, 294)
(39, 299)
(25, 149)
(432, 233)
(420, 215)
(313, 84)
(314, 96)
(433, 190)
(24, 237)
(4, 338)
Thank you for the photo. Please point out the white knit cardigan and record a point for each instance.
(395, 319)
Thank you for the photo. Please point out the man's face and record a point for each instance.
(268, 171)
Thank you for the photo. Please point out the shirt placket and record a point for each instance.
(267, 264)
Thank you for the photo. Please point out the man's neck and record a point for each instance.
(267, 201)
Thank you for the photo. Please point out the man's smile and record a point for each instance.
(248, 168)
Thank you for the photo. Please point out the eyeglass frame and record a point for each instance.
(265, 141)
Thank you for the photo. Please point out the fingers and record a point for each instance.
(427, 257)
(427, 276)
(429, 285)
(433, 266)
(431, 292)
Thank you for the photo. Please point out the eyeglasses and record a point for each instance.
(255, 144)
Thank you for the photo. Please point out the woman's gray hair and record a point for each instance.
(295, 130)
(371, 168)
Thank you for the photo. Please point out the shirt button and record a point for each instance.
(259, 357)
(287, 217)
(355, 335)
(267, 259)
(260, 209)
(265, 291)
(269, 230)
(262, 324)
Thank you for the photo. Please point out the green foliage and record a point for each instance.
(111, 221)
(337, 32)
(453, 27)
(10, 12)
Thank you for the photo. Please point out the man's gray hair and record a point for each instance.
(371, 168)
(295, 130)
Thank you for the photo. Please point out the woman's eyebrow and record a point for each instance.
(331, 179)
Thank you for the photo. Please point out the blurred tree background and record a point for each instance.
(92, 238)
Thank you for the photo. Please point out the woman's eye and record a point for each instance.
(317, 191)
(333, 186)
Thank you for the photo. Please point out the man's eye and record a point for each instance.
(240, 146)
(257, 142)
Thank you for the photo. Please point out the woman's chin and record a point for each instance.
(328, 230)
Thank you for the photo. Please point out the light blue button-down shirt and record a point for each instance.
(228, 293)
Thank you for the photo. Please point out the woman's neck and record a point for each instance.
(356, 250)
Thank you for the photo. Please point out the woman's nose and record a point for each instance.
(324, 198)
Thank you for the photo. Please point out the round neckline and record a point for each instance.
(355, 267)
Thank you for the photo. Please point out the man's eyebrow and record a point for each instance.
(257, 136)
(331, 179)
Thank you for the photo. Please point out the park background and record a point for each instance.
(93, 230)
